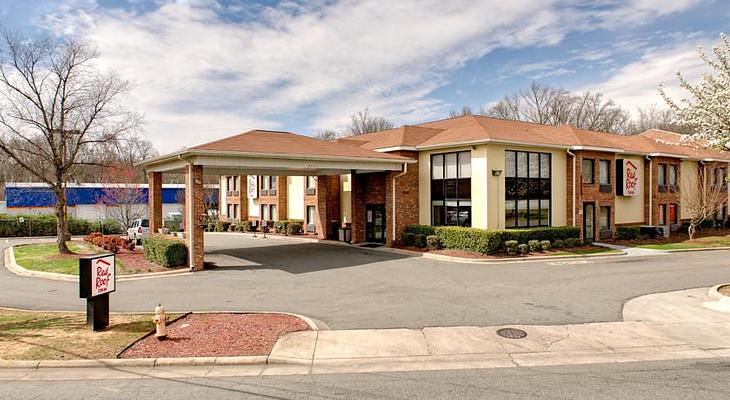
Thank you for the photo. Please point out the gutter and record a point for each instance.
(574, 169)
(651, 189)
(405, 170)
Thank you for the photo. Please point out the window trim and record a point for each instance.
(593, 171)
(443, 179)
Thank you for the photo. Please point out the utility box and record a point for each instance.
(345, 234)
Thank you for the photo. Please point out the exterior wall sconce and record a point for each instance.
(198, 181)
(496, 172)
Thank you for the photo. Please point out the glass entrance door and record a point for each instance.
(375, 223)
(589, 222)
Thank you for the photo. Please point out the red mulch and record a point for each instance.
(475, 255)
(675, 237)
(218, 335)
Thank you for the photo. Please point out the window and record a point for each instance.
(673, 217)
(272, 213)
(605, 172)
(311, 185)
(720, 177)
(311, 215)
(451, 189)
(229, 211)
(264, 212)
(588, 170)
(662, 180)
(272, 185)
(662, 214)
(672, 175)
(527, 189)
(605, 218)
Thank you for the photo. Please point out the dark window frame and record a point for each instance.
(513, 184)
(600, 218)
(454, 183)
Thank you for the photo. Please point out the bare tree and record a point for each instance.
(465, 110)
(556, 106)
(123, 202)
(655, 117)
(363, 122)
(58, 111)
(327, 134)
(703, 197)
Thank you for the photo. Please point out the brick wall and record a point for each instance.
(590, 192)
(154, 179)
(194, 179)
(310, 200)
(279, 199)
(366, 189)
(669, 196)
(328, 205)
(406, 199)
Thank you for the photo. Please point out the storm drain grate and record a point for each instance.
(512, 333)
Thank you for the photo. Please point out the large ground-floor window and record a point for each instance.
(451, 189)
(527, 189)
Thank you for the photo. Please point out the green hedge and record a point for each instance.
(487, 241)
(45, 225)
(627, 232)
(164, 251)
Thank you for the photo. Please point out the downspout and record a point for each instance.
(405, 170)
(651, 189)
(574, 169)
(189, 212)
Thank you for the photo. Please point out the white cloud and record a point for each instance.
(198, 75)
(636, 84)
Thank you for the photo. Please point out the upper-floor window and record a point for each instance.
(662, 175)
(588, 166)
(527, 189)
(605, 172)
(672, 175)
(311, 182)
(720, 176)
(451, 188)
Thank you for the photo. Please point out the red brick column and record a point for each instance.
(154, 195)
(194, 209)
(406, 199)
(357, 213)
(328, 205)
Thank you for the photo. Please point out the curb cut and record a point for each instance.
(12, 266)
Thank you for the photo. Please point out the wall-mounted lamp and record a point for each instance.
(496, 172)
(198, 181)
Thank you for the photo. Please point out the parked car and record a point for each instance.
(140, 229)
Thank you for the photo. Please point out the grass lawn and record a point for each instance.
(707, 241)
(45, 257)
(584, 251)
(61, 336)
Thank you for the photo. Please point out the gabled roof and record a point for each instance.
(275, 142)
(472, 129)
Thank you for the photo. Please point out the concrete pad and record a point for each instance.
(424, 363)
(460, 340)
(294, 347)
(370, 343)
(683, 306)
(704, 336)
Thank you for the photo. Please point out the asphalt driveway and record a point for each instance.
(351, 287)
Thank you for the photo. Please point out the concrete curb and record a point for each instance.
(698, 249)
(714, 292)
(12, 266)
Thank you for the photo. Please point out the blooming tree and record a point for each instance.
(708, 106)
(703, 197)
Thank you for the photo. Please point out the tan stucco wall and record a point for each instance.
(295, 197)
(689, 176)
(345, 199)
(487, 191)
(630, 209)
(223, 200)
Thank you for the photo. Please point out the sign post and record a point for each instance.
(97, 278)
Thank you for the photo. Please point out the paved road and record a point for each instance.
(350, 288)
(685, 379)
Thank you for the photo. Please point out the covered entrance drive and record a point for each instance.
(352, 180)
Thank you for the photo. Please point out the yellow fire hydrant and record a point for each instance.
(160, 321)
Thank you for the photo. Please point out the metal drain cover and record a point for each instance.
(512, 333)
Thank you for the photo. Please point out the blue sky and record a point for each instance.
(204, 69)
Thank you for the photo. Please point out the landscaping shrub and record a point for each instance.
(422, 229)
(294, 228)
(522, 248)
(573, 242)
(165, 251)
(534, 245)
(247, 226)
(45, 225)
(419, 240)
(239, 226)
(109, 243)
(558, 244)
(172, 224)
(433, 242)
(408, 238)
(545, 245)
(510, 247)
(468, 239)
(627, 232)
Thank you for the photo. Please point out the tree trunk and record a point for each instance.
(691, 230)
(61, 222)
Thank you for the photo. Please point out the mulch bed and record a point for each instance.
(724, 290)
(675, 237)
(479, 256)
(135, 263)
(217, 335)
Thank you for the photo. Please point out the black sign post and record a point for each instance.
(97, 278)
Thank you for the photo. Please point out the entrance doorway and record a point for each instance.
(589, 222)
(375, 223)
